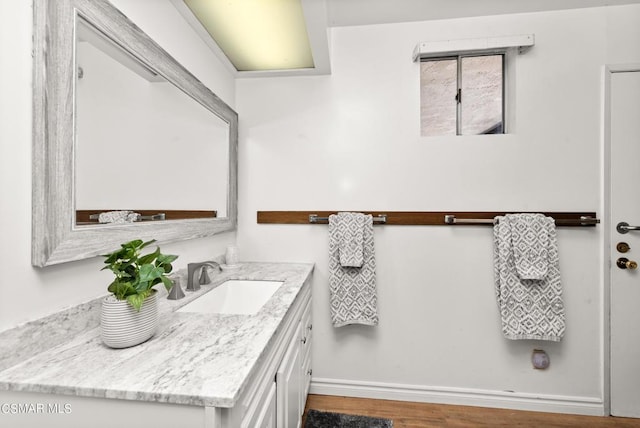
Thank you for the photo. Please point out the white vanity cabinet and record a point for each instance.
(277, 395)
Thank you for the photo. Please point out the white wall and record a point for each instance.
(623, 35)
(29, 292)
(351, 141)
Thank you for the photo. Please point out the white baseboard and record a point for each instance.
(592, 406)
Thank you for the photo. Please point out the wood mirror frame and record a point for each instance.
(55, 236)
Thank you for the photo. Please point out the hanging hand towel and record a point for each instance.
(530, 239)
(349, 232)
(352, 289)
(529, 308)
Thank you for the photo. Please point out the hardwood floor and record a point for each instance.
(413, 415)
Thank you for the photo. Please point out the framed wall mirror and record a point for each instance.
(127, 142)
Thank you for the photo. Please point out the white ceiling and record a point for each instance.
(321, 14)
(367, 12)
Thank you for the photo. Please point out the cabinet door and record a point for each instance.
(289, 386)
(265, 416)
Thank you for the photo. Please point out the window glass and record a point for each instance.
(481, 84)
(438, 83)
(462, 95)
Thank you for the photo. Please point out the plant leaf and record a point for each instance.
(168, 284)
(146, 243)
(149, 257)
(143, 286)
(132, 244)
(124, 264)
(136, 301)
(121, 289)
(135, 274)
(166, 258)
(150, 272)
(113, 257)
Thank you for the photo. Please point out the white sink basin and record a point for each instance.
(234, 297)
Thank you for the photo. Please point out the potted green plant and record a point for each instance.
(130, 313)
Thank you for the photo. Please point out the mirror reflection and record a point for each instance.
(142, 145)
(102, 143)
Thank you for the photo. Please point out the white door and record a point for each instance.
(625, 277)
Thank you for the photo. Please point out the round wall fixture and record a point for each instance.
(540, 359)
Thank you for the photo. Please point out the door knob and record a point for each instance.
(623, 227)
(624, 263)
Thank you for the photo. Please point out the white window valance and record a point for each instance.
(469, 46)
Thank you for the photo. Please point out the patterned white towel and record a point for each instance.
(352, 289)
(530, 239)
(348, 230)
(529, 308)
(118, 217)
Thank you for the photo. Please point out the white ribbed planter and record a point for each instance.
(121, 326)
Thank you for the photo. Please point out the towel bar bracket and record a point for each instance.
(451, 219)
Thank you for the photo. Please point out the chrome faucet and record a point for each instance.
(204, 277)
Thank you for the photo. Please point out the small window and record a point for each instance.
(462, 95)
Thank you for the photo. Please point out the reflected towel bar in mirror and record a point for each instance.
(90, 217)
(152, 217)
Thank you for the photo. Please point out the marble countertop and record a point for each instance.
(194, 358)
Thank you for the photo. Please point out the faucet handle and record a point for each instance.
(204, 276)
(176, 292)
